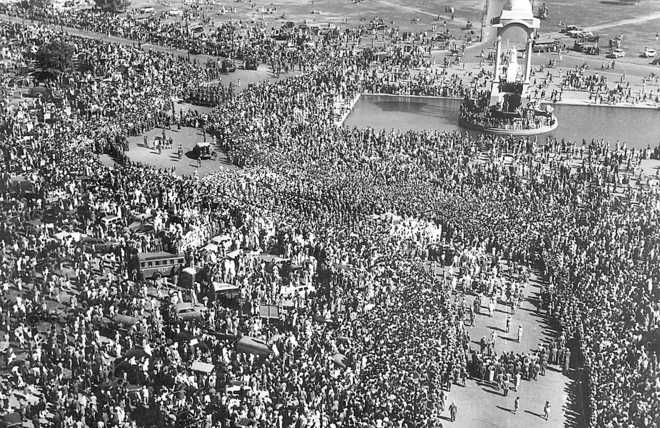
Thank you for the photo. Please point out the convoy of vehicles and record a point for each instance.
(545, 45)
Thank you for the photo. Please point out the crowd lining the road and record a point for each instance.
(335, 225)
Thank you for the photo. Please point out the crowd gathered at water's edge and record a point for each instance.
(373, 339)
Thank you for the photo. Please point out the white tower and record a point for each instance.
(517, 13)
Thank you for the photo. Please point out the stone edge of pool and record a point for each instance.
(502, 131)
(348, 107)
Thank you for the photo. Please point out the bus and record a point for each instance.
(159, 264)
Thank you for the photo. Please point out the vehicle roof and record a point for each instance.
(158, 255)
(183, 306)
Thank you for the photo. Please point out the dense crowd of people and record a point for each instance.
(603, 92)
(477, 112)
(334, 227)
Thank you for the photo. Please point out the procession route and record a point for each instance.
(637, 20)
(99, 36)
(241, 78)
(480, 405)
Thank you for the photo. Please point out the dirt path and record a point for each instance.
(637, 20)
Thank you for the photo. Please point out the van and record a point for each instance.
(158, 264)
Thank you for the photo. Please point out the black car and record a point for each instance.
(251, 63)
(227, 66)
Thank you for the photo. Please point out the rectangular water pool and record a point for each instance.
(635, 126)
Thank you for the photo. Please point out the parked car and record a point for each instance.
(203, 150)
(568, 28)
(189, 311)
(227, 66)
(649, 53)
(616, 53)
(251, 63)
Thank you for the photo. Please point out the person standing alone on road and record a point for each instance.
(452, 411)
(546, 410)
(508, 323)
(520, 332)
(516, 405)
(567, 360)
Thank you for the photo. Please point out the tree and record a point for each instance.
(55, 57)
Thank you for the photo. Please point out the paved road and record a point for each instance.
(570, 60)
(240, 78)
(481, 406)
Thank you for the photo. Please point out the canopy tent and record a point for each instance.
(252, 345)
(271, 258)
(223, 287)
(339, 359)
(233, 254)
(140, 227)
(210, 247)
(199, 366)
(125, 320)
(219, 239)
(62, 236)
(276, 338)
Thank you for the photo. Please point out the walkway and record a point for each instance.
(481, 406)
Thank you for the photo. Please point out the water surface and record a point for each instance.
(637, 127)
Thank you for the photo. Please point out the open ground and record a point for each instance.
(637, 22)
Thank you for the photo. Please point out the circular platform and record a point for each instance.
(508, 131)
